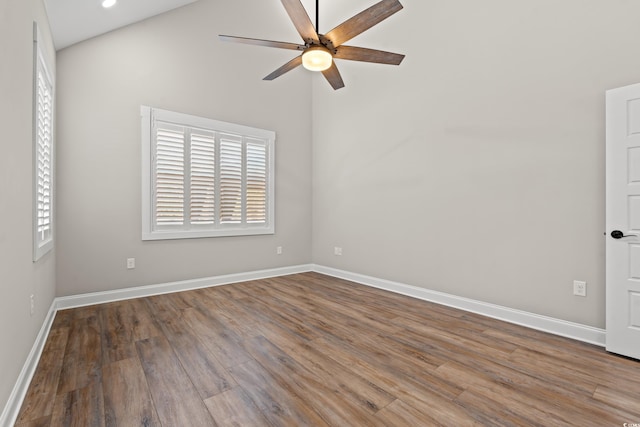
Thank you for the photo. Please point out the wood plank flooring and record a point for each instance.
(311, 350)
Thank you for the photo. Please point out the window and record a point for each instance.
(42, 150)
(204, 178)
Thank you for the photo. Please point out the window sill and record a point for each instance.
(201, 234)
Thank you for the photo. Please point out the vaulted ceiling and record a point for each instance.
(73, 21)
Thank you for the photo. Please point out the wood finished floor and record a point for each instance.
(310, 350)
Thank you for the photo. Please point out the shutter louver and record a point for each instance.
(230, 179)
(203, 171)
(44, 126)
(169, 184)
(256, 182)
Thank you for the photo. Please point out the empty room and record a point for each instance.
(319, 212)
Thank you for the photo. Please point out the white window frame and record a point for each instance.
(151, 231)
(42, 238)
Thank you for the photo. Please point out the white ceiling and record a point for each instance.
(73, 21)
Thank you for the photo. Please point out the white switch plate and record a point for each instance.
(32, 304)
(131, 263)
(279, 250)
(337, 251)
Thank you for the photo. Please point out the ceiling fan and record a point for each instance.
(319, 50)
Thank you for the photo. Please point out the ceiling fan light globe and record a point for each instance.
(317, 59)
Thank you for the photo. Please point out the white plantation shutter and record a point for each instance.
(203, 175)
(43, 116)
(204, 178)
(169, 175)
(230, 179)
(44, 141)
(256, 182)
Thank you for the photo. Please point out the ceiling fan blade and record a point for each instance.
(352, 53)
(260, 42)
(300, 19)
(333, 77)
(363, 21)
(285, 68)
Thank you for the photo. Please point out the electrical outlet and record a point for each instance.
(337, 251)
(580, 288)
(32, 304)
(131, 263)
(279, 250)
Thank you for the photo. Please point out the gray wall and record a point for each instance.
(477, 167)
(19, 276)
(174, 61)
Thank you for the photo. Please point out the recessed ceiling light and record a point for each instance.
(108, 3)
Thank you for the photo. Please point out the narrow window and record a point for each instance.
(43, 115)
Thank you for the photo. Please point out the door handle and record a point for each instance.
(617, 234)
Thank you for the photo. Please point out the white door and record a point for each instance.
(623, 221)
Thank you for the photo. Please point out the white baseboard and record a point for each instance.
(12, 408)
(554, 326)
(166, 288)
(535, 321)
